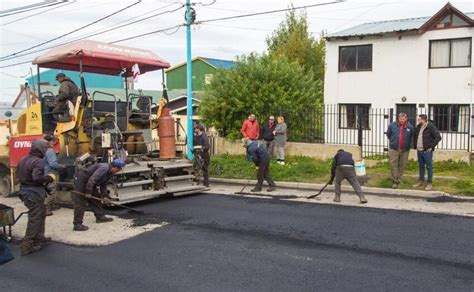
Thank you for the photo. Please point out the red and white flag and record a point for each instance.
(136, 72)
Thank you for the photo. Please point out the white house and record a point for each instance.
(417, 65)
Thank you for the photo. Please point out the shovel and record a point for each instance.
(111, 203)
(320, 191)
(241, 192)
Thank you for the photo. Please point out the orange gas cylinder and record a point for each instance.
(167, 135)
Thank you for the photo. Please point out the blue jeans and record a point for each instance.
(425, 159)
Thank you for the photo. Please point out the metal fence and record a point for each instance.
(366, 126)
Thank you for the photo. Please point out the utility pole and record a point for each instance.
(189, 79)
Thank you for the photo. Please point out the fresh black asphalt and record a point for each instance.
(224, 243)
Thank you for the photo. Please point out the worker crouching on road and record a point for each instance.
(343, 168)
(86, 182)
(260, 156)
(32, 192)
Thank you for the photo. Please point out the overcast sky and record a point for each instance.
(223, 39)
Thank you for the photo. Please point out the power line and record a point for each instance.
(73, 31)
(360, 15)
(177, 27)
(22, 7)
(268, 12)
(35, 8)
(35, 14)
(148, 33)
(16, 64)
(98, 33)
(14, 76)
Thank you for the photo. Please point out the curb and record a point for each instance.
(381, 192)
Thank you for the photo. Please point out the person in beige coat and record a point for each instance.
(280, 139)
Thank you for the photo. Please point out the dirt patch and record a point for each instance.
(447, 199)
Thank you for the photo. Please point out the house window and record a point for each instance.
(450, 117)
(348, 114)
(450, 53)
(355, 58)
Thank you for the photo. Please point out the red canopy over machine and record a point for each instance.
(98, 57)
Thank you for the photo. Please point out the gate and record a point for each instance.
(372, 129)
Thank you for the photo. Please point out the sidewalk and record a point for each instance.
(418, 201)
(383, 192)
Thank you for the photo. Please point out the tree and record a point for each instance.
(293, 40)
(262, 85)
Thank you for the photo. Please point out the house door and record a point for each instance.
(410, 110)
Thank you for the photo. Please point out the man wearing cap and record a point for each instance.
(51, 165)
(86, 182)
(32, 193)
(68, 91)
(259, 155)
(202, 141)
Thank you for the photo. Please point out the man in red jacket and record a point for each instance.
(250, 128)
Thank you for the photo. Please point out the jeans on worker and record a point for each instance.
(425, 160)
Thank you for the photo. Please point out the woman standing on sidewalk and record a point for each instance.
(280, 139)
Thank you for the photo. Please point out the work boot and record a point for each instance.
(28, 246)
(54, 207)
(256, 190)
(48, 212)
(271, 189)
(43, 240)
(337, 199)
(362, 198)
(103, 219)
(419, 185)
(429, 187)
(80, 227)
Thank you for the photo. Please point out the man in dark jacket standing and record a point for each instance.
(32, 192)
(425, 140)
(86, 182)
(257, 153)
(202, 141)
(343, 168)
(68, 91)
(268, 136)
(400, 135)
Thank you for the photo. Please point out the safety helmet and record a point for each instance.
(118, 163)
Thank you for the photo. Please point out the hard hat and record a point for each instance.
(118, 163)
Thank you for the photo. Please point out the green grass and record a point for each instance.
(305, 169)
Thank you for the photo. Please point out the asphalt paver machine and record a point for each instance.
(99, 126)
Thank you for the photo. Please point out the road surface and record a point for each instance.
(225, 243)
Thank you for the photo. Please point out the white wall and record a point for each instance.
(399, 68)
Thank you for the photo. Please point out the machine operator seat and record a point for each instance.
(74, 117)
(142, 114)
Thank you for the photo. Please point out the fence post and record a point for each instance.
(360, 133)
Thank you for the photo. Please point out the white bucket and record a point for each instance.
(360, 168)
